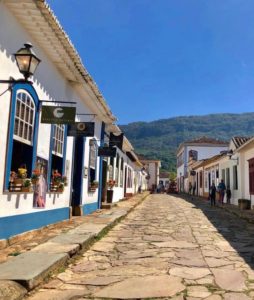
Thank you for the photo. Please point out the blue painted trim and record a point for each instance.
(64, 149)
(52, 132)
(28, 88)
(89, 161)
(89, 208)
(101, 166)
(10, 226)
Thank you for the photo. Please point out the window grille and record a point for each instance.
(58, 140)
(24, 118)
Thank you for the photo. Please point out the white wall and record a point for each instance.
(49, 84)
(204, 152)
(236, 194)
(244, 165)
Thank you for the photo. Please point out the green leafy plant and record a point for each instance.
(27, 183)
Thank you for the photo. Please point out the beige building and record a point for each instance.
(153, 169)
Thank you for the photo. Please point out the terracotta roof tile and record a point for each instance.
(240, 140)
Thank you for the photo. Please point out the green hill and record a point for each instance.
(160, 139)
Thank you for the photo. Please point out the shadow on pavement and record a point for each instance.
(238, 232)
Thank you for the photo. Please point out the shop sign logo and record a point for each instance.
(58, 114)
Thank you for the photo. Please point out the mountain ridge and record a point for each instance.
(159, 139)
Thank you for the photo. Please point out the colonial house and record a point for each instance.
(233, 166)
(243, 158)
(194, 150)
(164, 178)
(53, 124)
(207, 171)
(152, 167)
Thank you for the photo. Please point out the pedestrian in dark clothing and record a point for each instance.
(228, 193)
(194, 189)
(212, 193)
(221, 189)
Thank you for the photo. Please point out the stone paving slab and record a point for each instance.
(10, 290)
(51, 247)
(73, 238)
(30, 268)
(141, 288)
(166, 248)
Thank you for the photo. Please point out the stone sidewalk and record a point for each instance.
(36, 255)
(245, 214)
(167, 248)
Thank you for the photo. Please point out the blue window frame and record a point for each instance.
(58, 142)
(23, 130)
(93, 149)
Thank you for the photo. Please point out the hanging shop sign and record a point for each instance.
(116, 140)
(80, 129)
(107, 151)
(58, 114)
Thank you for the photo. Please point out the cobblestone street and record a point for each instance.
(166, 248)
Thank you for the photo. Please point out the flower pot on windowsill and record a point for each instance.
(15, 187)
(110, 194)
(60, 190)
(92, 189)
(18, 181)
(26, 189)
(53, 187)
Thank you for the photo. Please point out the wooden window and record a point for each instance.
(117, 169)
(111, 169)
(235, 178)
(200, 179)
(57, 154)
(24, 118)
(121, 173)
(129, 178)
(58, 140)
(251, 176)
(92, 161)
(228, 177)
(223, 174)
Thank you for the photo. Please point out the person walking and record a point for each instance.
(221, 189)
(194, 189)
(212, 193)
(190, 187)
(228, 194)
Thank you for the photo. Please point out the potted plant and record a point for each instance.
(26, 186)
(60, 188)
(56, 180)
(35, 176)
(22, 172)
(15, 182)
(110, 184)
(93, 186)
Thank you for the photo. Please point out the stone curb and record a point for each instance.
(26, 271)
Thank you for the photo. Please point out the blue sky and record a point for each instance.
(164, 58)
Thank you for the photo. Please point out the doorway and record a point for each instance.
(104, 181)
(125, 181)
(77, 182)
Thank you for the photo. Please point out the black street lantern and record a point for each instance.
(27, 60)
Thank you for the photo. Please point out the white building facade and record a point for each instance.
(28, 144)
(197, 149)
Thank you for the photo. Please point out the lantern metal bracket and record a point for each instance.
(12, 80)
